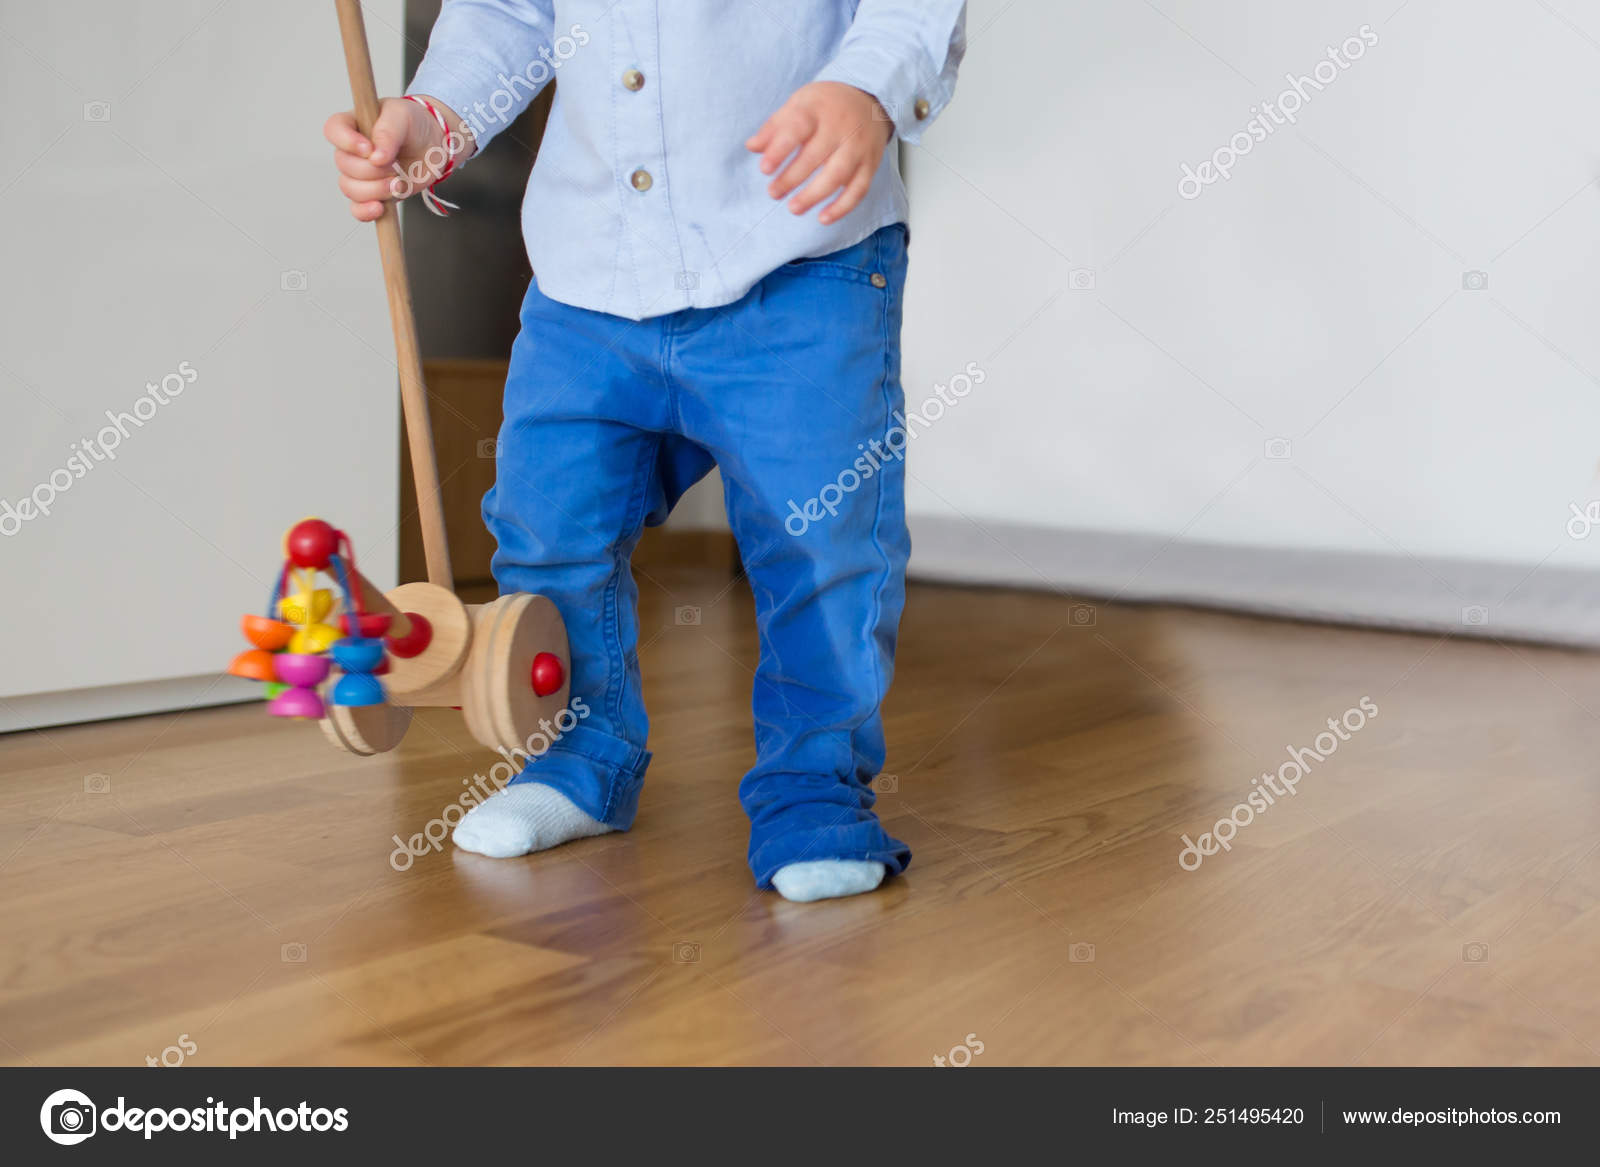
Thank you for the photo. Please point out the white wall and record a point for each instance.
(1316, 296)
(161, 233)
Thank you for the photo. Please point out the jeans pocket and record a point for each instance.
(825, 267)
(860, 263)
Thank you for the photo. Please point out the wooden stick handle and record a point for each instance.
(413, 390)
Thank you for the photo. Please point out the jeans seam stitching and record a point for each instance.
(877, 521)
(617, 666)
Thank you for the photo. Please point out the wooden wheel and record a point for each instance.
(498, 700)
(366, 729)
(449, 643)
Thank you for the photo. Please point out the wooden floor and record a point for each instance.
(1430, 895)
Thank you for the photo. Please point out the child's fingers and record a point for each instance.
(340, 130)
(366, 212)
(358, 191)
(829, 179)
(794, 128)
(389, 134)
(757, 142)
(784, 142)
(805, 163)
(360, 169)
(850, 199)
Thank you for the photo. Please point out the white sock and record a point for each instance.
(521, 819)
(822, 879)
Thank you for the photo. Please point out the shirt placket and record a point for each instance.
(641, 164)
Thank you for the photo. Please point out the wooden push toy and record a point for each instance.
(358, 660)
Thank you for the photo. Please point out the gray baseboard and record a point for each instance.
(71, 706)
(1546, 605)
(1471, 598)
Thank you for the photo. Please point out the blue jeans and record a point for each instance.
(793, 392)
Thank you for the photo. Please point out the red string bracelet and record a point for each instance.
(430, 200)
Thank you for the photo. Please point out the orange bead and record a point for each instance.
(264, 633)
(254, 664)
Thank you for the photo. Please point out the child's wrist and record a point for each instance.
(455, 136)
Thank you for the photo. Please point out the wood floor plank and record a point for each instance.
(1429, 894)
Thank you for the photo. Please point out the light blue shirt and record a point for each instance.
(643, 198)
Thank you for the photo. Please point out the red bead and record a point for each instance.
(548, 674)
(310, 542)
(372, 624)
(415, 642)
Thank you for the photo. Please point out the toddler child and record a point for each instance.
(716, 225)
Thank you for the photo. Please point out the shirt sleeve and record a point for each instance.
(905, 53)
(488, 59)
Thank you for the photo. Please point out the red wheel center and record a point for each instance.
(548, 674)
(416, 641)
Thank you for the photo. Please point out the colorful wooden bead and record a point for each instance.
(357, 689)
(371, 624)
(266, 633)
(300, 669)
(297, 702)
(298, 608)
(357, 654)
(254, 664)
(314, 638)
(310, 543)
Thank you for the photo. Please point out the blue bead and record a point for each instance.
(358, 689)
(357, 654)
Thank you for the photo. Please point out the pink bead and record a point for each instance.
(300, 669)
(297, 703)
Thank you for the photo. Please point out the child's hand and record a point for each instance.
(834, 126)
(406, 154)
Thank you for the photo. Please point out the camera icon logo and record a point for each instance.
(1081, 279)
(1082, 615)
(886, 784)
(292, 281)
(686, 281)
(686, 952)
(293, 953)
(1475, 281)
(1475, 952)
(1081, 953)
(1277, 449)
(97, 111)
(1583, 521)
(97, 783)
(687, 615)
(489, 448)
(68, 1117)
(1475, 616)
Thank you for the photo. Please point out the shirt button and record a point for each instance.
(921, 109)
(641, 180)
(878, 281)
(633, 79)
